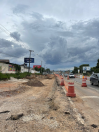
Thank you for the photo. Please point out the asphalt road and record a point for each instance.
(79, 80)
(87, 100)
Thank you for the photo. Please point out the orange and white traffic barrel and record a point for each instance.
(84, 82)
(71, 92)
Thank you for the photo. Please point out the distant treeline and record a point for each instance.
(93, 69)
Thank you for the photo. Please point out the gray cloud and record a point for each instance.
(87, 28)
(55, 50)
(12, 48)
(16, 36)
(20, 8)
(61, 34)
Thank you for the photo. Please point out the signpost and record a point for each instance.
(27, 60)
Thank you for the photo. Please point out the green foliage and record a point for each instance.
(16, 75)
(37, 69)
(17, 67)
(42, 69)
(47, 70)
(96, 69)
(75, 70)
(81, 67)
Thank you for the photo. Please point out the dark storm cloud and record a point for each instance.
(5, 43)
(15, 35)
(76, 43)
(59, 43)
(55, 50)
(12, 48)
(20, 8)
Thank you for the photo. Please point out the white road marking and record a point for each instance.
(89, 97)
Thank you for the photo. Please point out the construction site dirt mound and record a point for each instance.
(35, 83)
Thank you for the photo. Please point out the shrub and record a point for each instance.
(16, 75)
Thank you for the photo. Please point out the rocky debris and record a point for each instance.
(35, 83)
(15, 117)
(94, 126)
(4, 112)
(51, 117)
(67, 112)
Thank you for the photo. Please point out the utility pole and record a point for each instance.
(29, 59)
(41, 67)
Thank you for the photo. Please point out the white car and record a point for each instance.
(71, 75)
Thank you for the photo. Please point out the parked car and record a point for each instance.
(65, 75)
(94, 79)
(71, 75)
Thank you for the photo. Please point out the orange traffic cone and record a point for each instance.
(71, 92)
(68, 77)
(84, 82)
(62, 81)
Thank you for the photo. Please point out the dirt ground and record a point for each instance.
(34, 108)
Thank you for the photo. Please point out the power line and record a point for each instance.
(4, 31)
(5, 28)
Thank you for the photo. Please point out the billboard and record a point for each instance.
(38, 66)
(27, 60)
(86, 68)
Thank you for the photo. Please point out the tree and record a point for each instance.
(17, 67)
(41, 69)
(81, 67)
(37, 69)
(47, 70)
(96, 69)
(97, 64)
(75, 70)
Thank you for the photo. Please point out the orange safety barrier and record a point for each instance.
(84, 82)
(66, 85)
(62, 82)
(71, 92)
(69, 86)
(68, 77)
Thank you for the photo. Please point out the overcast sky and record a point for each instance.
(62, 33)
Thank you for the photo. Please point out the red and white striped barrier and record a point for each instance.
(84, 82)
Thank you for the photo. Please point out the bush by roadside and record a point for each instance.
(16, 75)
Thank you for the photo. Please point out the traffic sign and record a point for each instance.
(27, 60)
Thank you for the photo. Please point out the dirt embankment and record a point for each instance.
(39, 109)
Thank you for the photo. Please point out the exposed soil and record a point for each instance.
(14, 92)
(39, 109)
(35, 83)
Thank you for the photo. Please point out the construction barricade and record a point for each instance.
(85, 77)
(69, 86)
(68, 77)
(84, 82)
(71, 92)
(62, 82)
